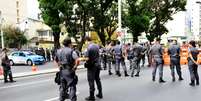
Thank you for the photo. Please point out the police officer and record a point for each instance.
(93, 70)
(174, 52)
(192, 64)
(119, 59)
(6, 66)
(130, 54)
(157, 53)
(110, 56)
(103, 57)
(143, 54)
(68, 61)
(137, 54)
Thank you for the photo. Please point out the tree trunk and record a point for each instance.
(83, 31)
(56, 40)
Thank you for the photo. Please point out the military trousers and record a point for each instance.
(175, 63)
(68, 83)
(135, 66)
(193, 69)
(117, 65)
(93, 75)
(158, 64)
(109, 64)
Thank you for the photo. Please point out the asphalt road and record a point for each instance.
(25, 68)
(43, 88)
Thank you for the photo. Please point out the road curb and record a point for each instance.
(28, 74)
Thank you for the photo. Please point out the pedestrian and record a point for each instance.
(192, 64)
(174, 52)
(93, 70)
(48, 57)
(68, 62)
(119, 59)
(138, 52)
(5, 62)
(157, 55)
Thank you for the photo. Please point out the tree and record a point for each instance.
(14, 37)
(112, 21)
(99, 12)
(137, 19)
(162, 11)
(51, 17)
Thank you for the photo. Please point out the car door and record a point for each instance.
(22, 58)
(14, 57)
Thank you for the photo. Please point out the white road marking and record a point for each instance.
(52, 99)
(56, 98)
(25, 84)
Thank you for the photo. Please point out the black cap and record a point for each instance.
(158, 39)
(67, 41)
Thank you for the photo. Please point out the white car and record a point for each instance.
(25, 57)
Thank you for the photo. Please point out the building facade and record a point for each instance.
(25, 14)
(193, 19)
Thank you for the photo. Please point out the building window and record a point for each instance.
(17, 4)
(18, 13)
(18, 20)
(42, 33)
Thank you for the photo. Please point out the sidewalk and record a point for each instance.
(25, 74)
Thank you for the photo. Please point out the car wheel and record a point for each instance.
(29, 62)
(11, 62)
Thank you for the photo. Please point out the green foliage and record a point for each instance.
(162, 11)
(102, 19)
(137, 19)
(14, 37)
(51, 17)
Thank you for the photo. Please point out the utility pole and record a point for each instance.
(1, 25)
(119, 29)
(119, 15)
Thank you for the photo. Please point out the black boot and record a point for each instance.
(153, 78)
(161, 80)
(126, 74)
(197, 82)
(118, 74)
(173, 79)
(91, 97)
(137, 75)
(180, 78)
(100, 95)
(110, 73)
(192, 83)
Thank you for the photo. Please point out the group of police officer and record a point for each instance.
(136, 53)
(68, 61)
(115, 54)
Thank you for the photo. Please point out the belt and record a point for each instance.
(66, 66)
(157, 56)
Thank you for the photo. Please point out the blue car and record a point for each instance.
(25, 57)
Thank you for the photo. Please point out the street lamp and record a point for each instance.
(1, 26)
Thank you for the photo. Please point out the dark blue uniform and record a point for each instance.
(119, 59)
(93, 70)
(66, 58)
(174, 52)
(193, 66)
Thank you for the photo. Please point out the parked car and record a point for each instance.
(25, 57)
